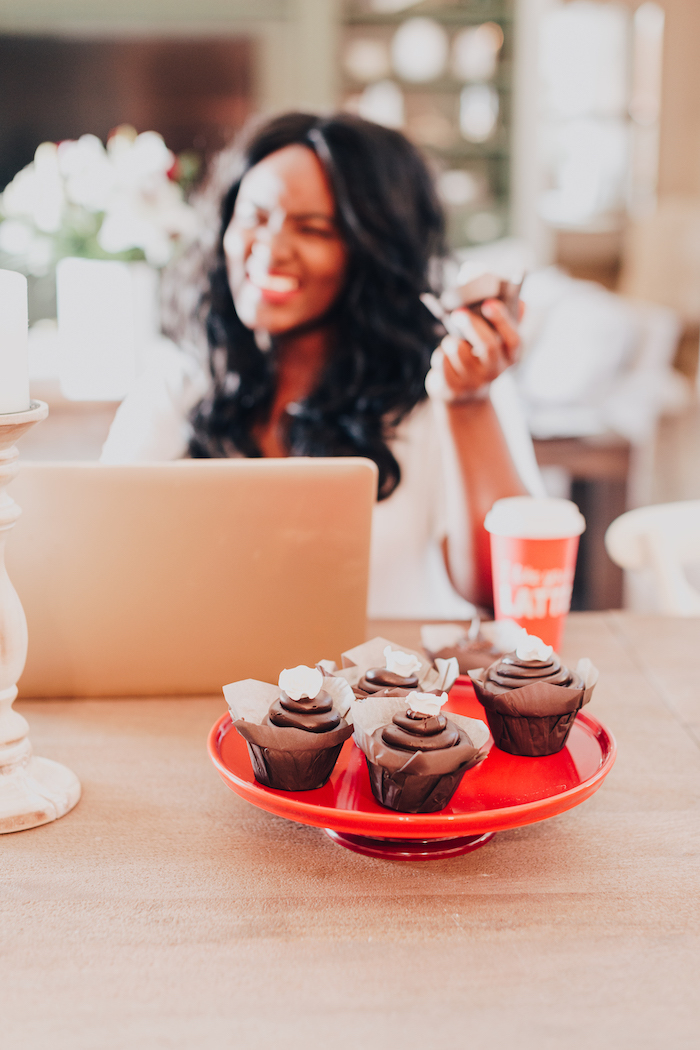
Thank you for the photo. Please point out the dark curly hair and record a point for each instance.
(391, 221)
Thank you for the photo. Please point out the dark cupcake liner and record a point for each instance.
(532, 736)
(411, 792)
(533, 720)
(293, 770)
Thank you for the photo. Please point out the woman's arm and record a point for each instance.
(478, 447)
(152, 423)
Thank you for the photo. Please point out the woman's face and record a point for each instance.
(285, 258)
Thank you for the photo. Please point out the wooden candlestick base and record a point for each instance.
(33, 790)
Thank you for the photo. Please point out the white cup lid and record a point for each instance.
(535, 518)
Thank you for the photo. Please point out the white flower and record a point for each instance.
(127, 182)
(425, 703)
(402, 664)
(301, 681)
(89, 175)
(15, 237)
(130, 226)
(532, 648)
(149, 218)
(37, 191)
(141, 159)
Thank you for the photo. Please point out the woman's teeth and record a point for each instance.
(275, 282)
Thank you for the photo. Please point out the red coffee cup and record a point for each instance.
(534, 542)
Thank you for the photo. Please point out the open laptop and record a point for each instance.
(176, 578)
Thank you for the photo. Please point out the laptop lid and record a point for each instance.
(175, 578)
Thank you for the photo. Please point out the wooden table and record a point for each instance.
(74, 430)
(165, 912)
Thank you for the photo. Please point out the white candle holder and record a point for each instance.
(33, 790)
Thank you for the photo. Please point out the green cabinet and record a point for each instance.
(442, 72)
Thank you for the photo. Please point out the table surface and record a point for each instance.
(166, 912)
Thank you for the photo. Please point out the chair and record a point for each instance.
(663, 539)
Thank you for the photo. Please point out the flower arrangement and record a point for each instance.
(79, 198)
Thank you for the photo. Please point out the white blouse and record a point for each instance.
(408, 578)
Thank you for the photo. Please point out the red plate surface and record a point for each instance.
(505, 791)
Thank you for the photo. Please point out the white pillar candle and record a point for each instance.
(14, 364)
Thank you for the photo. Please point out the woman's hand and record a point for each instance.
(464, 374)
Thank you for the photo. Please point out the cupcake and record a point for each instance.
(400, 671)
(379, 668)
(294, 732)
(531, 699)
(415, 756)
(472, 647)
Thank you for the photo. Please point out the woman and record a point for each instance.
(320, 345)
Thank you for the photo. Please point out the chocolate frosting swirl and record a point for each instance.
(313, 716)
(379, 678)
(411, 731)
(512, 673)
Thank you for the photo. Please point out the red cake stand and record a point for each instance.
(505, 791)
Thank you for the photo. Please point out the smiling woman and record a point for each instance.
(325, 243)
(286, 260)
(320, 346)
(286, 263)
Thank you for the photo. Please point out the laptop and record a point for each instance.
(176, 578)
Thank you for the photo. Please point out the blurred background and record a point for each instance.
(565, 142)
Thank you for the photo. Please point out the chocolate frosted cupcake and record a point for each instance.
(418, 757)
(398, 677)
(295, 744)
(379, 668)
(531, 699)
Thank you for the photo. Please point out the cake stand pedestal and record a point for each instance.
(33, 790)
(409, 849)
